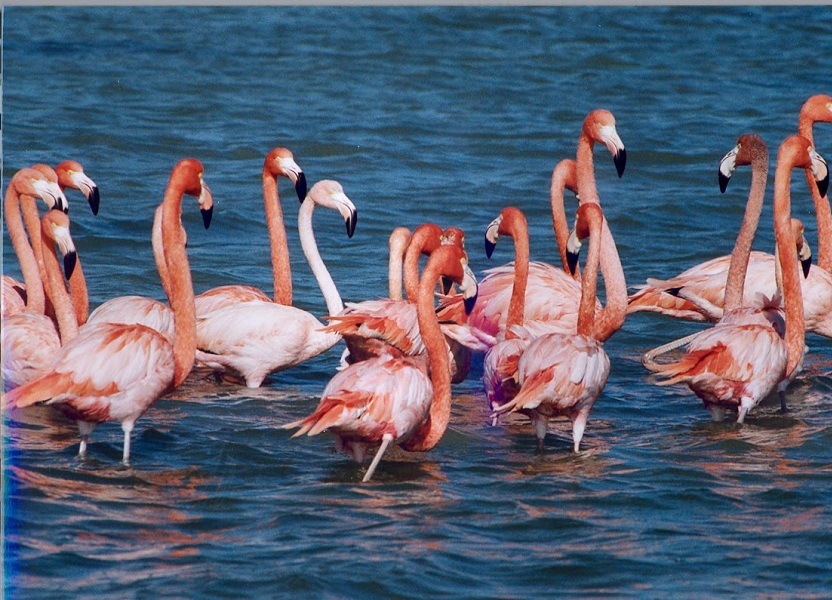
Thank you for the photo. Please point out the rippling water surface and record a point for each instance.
(443, 114)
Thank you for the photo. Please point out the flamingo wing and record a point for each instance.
(132, 310)
(225, 295)
(14, 297)
(370, 327)
(30, 342)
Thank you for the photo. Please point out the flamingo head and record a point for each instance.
(820, 171)
(55, 228)
(588, 217)
(41, 181)
(454, 267)
(804, 251)
(750, 147)
(280, 162)
(453, 236)
(330, 194)
(818, 108)
(599, 125)
(427, 237)
(71, 175)
(188, 174)
(506, 223)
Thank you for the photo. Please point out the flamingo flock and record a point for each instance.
(539, 328)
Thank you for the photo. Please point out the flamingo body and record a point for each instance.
(129, 310)
(259, 337)
(30, 342)
(225, 295)
(14, 296)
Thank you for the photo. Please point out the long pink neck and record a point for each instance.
(563, 176)
(439, 365)
(35, 297)
(397, 246)
(738, 267)
(589, 283)
(158, 250)
(411, 263)
(281, 266)
(612, 316)
(56, 288)
(823, 212)
(792, 293)
(181, 292)
(517, 304)
(78, 293)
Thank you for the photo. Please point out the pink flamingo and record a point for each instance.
(280, 162)
(71, 175)
(114, 372)
(20, 214)
(706, 282)
(131, 310)
(564, 373)
(386, 399)
(31, 340)
(741, 360)
(397, 246)
(258, 337)
(552, 295)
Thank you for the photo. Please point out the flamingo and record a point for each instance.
(114, 371)
(280, 162)
(257, 337)
(397, 246)
(71, 175)
(564, 373)
(552, 295)
(31, 340)
(20, 214)
(739, 361)
(130, 310)
(707, 280)
(386, 399)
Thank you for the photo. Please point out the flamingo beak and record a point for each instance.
(492, 234)
(616, 147)
(469, 288)
(206, 205)
(51, 194)
(88, 188)
(820, 170)
(70, 258)
(94, 199)
(573, 251)
(726, 168)
(805, 256)
(300, 186)
(351, 220)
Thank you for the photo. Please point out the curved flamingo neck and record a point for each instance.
(159, 251)
(281, 266)
(397, 245)
(589, 282)
(35, 296)
(181, 289)
(422, 242)
(310, 249)
(563, 176)
(823, 211)
(738, 267)
(434, 428)
(518, 229)
(790, 273)
(612, 316)
(56, 288)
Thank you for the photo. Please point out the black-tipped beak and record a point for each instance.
(207, 213)
(351, 222)
(469, 303)
(572, 261)
(806, 263)
(723, 182)
(489, 246)
(447, 284)
(823, 185)
(300, 186)
(94, 199)
(620, 160)
(69, 263)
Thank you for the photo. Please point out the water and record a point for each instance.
(443, 114)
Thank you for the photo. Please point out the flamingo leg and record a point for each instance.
(128, 429)
(717, 413)
(85, 430)
(385, 441)
(782, 394)
(743, 412)
(578, 426)
(540, 425)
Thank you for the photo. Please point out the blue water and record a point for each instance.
(442, 114)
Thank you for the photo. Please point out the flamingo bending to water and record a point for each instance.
(386, 399)
(280, 162)
(739, 361)
(112, 371)
(564, 373)
(256, 338)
